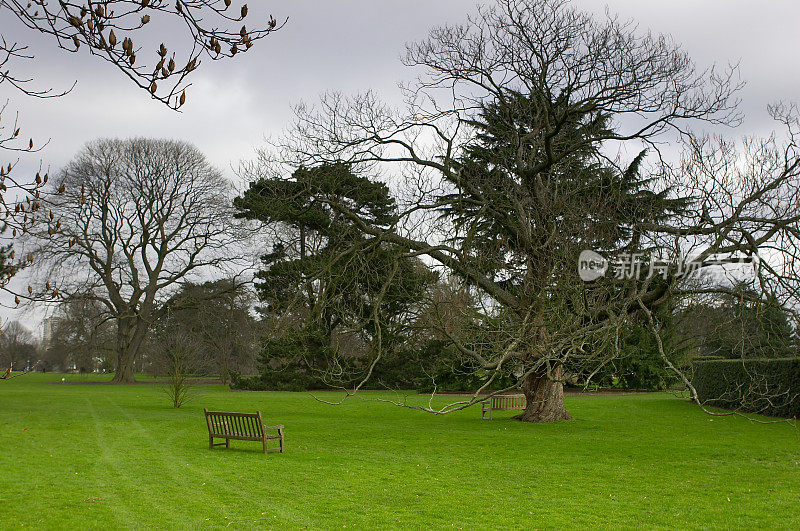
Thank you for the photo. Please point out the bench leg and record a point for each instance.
(210, 442)
(264, 445)
(227, 443)
(281, 441)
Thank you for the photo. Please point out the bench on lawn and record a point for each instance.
(501, 403)
(241, 426)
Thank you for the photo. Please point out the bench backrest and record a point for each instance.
(501, 402)
(235, 424)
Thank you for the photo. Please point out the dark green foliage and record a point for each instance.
(638, 365)
(301, 362)
(328, 278)
(766, 386)
(300, 201)
(320, 264)
(416, 368)
(739, 325)
(311, 237)
(514, 188)
(432, 366)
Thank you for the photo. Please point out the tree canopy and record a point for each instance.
(135, 218)
(329, 276)
(533, 132)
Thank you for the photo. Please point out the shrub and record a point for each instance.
(301, 362)
(431, 366)
(179, 363)
(637, 365)
(769, 386)
(293, 362)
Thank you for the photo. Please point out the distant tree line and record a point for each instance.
(213, 323)
(435, 246)
(18, 348)
(331, 306)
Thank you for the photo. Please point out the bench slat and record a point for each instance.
(232, 414)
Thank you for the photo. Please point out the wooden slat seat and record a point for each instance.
(501, 403)
(242, 427)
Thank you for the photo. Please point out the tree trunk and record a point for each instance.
(124, 372)
(544, 396)
(130, 336)
(224, 373)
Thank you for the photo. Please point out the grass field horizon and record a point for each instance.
(120, 456)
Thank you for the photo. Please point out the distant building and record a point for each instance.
(48, 329)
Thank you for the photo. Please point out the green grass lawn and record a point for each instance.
(120, 456)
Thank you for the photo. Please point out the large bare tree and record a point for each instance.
(133, 219)
(17, 346)
(524, 141)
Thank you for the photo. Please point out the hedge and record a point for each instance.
(766, 386)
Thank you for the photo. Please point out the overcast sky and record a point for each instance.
(352, 46)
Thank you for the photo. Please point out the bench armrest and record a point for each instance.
(278, 427)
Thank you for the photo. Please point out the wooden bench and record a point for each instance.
(501, 403)
(241, 426)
